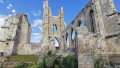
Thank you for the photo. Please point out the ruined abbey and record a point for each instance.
(100, 34)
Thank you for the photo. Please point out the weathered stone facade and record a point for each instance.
(14, 34)
(52, 26)
(99, 35)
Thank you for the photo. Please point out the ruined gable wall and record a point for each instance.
(110, 16)
(8, 37)
(15, 33)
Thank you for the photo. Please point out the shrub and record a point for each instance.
(99, 63)
(21, 65)
(70, 62)
(49, 53)
(112, 64)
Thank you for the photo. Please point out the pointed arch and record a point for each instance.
(92, 21)
(80, 24)
(57, 43)
(67, 40)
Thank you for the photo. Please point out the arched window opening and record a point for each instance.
(73, 34)
(67, 41)
(92, 22)
(54, 28)
(80, 24)
(56, 44)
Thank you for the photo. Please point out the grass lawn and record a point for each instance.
(22, 58)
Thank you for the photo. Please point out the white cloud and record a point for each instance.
(9, 6)
(13, 11)
(37, 22)
(36, 34)
(38, 13)
(2, 20)
(1, 1)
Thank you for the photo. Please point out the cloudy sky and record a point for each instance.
(34, 10)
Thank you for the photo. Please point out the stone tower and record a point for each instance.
(52, 26)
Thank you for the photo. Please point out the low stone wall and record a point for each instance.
(13, 64)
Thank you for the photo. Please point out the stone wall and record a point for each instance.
(12, 33)
(15, 37)
(110, 17)
(100, 34)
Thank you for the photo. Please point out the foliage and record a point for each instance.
(34, 65)
(49, 53)
(21, 65)
(43, 64)
(70, 62)
(112, 64)
(99, 63)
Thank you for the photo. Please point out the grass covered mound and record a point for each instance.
(22, 58)
(52, 60)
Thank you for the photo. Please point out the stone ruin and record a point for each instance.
(100, 34)
(16, 33)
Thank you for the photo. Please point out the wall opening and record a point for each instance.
(54, 28)
(73, 34)
(67, 39)
(92, 22)
(80, 24)
(56, 44)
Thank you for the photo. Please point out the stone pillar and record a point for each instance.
(85, 58)
(70, 40)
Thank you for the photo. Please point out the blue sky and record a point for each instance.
(34, 10)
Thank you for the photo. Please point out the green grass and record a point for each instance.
(22, 58)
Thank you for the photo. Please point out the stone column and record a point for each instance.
(85, 59)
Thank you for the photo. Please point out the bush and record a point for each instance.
(70, 62)
(112, 64)
(21, 65)
(99, 63)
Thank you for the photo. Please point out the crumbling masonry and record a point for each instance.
(99, 35)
